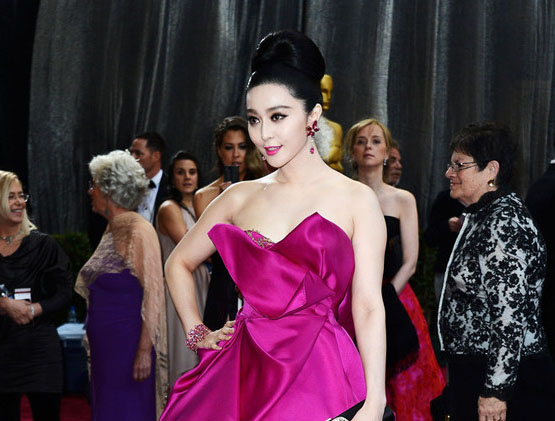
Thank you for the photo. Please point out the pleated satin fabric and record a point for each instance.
(289, 357)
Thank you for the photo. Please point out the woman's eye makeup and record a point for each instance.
(278, 116)
(252, 120)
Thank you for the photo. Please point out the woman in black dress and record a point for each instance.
(30, 352)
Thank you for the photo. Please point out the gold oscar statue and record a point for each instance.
(335, 151)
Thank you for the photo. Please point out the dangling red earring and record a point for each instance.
(310, 131)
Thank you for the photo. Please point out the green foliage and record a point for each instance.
(78, 248)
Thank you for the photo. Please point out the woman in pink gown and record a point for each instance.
(297, 256)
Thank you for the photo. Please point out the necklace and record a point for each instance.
(9, 238)
(186, 207)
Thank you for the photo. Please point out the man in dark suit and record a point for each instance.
(148, 148)
(540, 200)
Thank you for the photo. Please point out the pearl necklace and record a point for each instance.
(9, 238)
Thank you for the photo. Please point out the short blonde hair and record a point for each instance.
(6, 180)
(120, 177)
(351, 134)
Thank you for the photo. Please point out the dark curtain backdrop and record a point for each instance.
(104, 70)
(17, 31)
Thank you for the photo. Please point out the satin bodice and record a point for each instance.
(313, 264)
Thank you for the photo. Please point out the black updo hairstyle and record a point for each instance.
(291, 59)
(487, 141)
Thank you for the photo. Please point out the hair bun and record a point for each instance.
(292, 49)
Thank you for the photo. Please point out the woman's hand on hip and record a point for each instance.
(142, 365)
(211, 340)
(492, 409)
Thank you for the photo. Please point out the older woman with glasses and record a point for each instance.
(489, 317)
(123, 285)
(36, 282)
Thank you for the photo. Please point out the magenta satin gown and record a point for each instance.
(289, 357)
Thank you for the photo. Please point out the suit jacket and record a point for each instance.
(540, 200)
(162, 194)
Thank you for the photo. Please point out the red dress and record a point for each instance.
(410, 391)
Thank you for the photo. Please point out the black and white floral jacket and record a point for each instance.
(490, 304)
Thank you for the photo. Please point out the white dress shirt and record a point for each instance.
(146, 208)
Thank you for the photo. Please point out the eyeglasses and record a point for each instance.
(22, 196)
(459, 166)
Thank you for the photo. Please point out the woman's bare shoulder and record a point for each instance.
(355, 188)
(404, 197)
(169, 209)
(352, 193)
(210, 188)
(168, 205)
(243, 189)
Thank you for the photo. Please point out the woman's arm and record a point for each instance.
(19, 310)
(201, 200)
(409, 240)
(171, 222)
(58, 278)
(369, 238)
(144, 254)
(55, 276)
(506, 264)
(194, 249)
(206, 195)
(143, 357)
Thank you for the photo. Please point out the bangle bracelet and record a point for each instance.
(32, 310)
(195, 335)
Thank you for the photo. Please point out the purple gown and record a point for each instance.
(289, 357)
(113, 328)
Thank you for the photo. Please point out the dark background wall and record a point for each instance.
(103, 70)
(17, 32)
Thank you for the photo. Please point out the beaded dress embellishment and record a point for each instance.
(259, 239)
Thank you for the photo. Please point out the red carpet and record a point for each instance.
(74, 408)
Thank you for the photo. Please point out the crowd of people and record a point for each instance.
(281, 290)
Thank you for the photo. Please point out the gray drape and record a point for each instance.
(104, 70)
